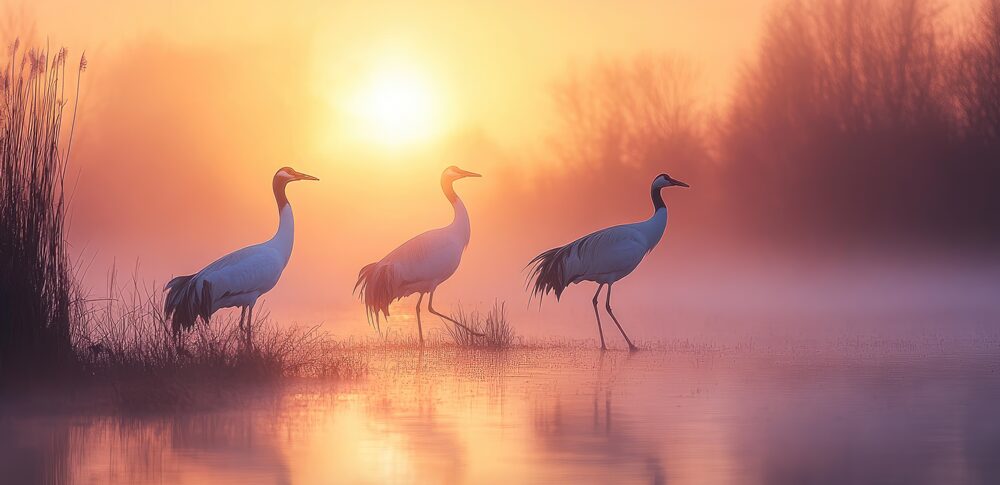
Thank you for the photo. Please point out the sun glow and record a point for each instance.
(396, 106)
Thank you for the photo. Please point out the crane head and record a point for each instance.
(663, 180)
(455, 173)
(289, 174)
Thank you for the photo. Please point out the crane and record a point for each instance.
(420, 264)
(604, 256)
(239, 278)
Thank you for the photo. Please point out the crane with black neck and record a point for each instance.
(604, 257)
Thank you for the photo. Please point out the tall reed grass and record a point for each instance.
(37, 289)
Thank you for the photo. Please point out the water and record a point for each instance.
(882, 413)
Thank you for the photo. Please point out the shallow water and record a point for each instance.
(888, 413)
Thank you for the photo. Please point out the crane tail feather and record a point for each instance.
(376, 286)
(362, 275)
(184, 303)
(205, 304)
(546, 273)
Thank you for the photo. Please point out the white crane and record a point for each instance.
(603, 257)
(239, 278)
(420, 264)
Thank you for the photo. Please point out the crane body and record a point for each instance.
(604, 257)
(239, 278)
(419, 265)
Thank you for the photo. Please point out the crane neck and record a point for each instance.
(284, 237)
(654, 193)
(653, 227)
(278, 186)
(449, 190)
(461, 220)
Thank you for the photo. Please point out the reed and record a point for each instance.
(37, 288)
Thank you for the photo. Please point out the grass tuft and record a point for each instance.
(124, 341)
(494, 325)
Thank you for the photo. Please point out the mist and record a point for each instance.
(844, 170)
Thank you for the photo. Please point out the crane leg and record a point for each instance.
(631, 347)
(250, 328)
(600, 331)
(430, 308)
(177, 341)
(243, 316)
(420, 328)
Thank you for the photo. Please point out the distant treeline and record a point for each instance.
(856, 120)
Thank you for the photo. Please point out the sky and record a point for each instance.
(188, 108)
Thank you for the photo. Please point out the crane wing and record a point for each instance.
(606, 254)
(251, 270)
(254, 269)
(426, 259)
(613, 250)
(430, 256)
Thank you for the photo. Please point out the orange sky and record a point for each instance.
(188, 109)
(495, 59)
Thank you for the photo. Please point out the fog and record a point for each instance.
(841, 171)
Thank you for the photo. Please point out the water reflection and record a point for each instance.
(543, 416)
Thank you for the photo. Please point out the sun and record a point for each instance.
(396, 106)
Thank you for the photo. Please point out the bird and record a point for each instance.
(604, 257)
(420, 264)
(239, 278)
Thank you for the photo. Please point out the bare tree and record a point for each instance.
(843, 121)
(634, 113)
(977, 84)
(621, 122)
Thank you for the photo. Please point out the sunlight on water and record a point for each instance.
(560, 415)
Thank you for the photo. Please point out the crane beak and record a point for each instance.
(466, 173)
(303, 176)
(678, 183)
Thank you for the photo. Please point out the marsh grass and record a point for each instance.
(122, 340)
(37, 284)
(494, 325)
